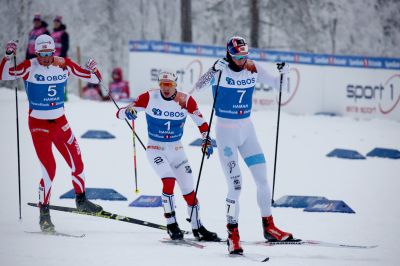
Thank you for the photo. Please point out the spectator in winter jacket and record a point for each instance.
(119, 88)
(60, 36)
(39, 28)
(92, 92)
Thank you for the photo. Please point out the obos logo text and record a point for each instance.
(39, 77)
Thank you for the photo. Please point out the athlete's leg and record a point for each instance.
(40, 131)
(183, 173)
(227, 141)
(161, 166)
(184, 177)
(254, 158)
(67, 145)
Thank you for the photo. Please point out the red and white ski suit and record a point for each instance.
(45, 87)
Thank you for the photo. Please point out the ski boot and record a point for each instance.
(44, 220)
(174, 232)
(233, 240)
(84, 205)
(202, 234)
(272, 233)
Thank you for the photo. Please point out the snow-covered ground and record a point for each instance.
(369, 186)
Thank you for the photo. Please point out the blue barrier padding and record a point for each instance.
(96, 194)
(147, 201)
(329, 206)
(346, 154)
(296, 201)
(384, 153)
(197, 142)
(327, 113)
(97, 134)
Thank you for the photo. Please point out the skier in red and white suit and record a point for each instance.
(166, 111)
(45, 78)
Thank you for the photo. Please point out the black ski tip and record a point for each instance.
(265, 260)
(283, 241)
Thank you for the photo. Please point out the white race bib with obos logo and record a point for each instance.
(45, 87)
(165, 119)
(235, 94)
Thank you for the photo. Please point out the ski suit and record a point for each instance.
(165, 123)
(235, 132)
(45, 87)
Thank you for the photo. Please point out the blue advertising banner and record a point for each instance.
(267, 55)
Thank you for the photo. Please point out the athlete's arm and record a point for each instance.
(139, 104)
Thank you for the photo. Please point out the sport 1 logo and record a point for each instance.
(386, 95)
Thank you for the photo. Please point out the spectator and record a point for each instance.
(60, 36)
(119, 88)
(92, 92)
(39, 28)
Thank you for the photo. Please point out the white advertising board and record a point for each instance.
(351, 87)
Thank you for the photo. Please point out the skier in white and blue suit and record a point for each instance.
(235, 132)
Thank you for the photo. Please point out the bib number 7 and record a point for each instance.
(242, 92)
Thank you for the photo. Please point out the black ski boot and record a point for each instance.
(84, 205)
(174, 232)
(202, 234)
(44, 220)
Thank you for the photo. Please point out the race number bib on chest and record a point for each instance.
(165, 119)
(45, 96)
(235, 94)
(45, 88)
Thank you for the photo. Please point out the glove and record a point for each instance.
(91, 65)
(131, 113)
(11, 49)
(206, 146)
(283, 68)
(220, 64)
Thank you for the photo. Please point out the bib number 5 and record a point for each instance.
(51, 91)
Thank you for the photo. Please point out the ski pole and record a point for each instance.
(17, 121)
(116, 105)
(134, 157)
(204, 150)
(277, 136)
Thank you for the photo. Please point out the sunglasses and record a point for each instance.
(45, 54)
(239, 57)
(167, 84)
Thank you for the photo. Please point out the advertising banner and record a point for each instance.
(342, 85)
